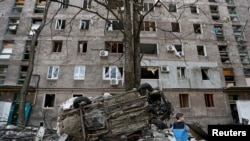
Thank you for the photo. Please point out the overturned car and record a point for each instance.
(113, 115)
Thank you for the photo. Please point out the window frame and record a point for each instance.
(175, 24)
(118, 45)
(120, 69)
(209, 100)
(199, 30)
(64, 4)
(148, 7)
(57, 46)
(196, 7)
(7, 49)
(53, 71)
(86, 24)
(175, 10)
(186, 103)
(181, 73)
(77, 75)
(204, 50)
(60, 25)
(205, 74)
(3, 73)
(86, 4)
(44, 101)
(110, 25)
(148, 26)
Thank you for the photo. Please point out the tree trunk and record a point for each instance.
(25, 86)
(132, 45)
(129, 78)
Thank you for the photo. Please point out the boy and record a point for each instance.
(180, 129)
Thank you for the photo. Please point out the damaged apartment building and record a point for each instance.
(197, 52)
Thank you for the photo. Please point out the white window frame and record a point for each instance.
(61, 5)
(78, 75)
(88, 1)
(58, 25)
(148, 6)
(204, 49)
(181, 53)
(44, 100)
(85, 24)
(197, 9)
(181, 74)
(52, 77)
(118, 73)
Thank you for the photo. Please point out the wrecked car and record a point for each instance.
(113, 115)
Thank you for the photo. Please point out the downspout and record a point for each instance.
(37, 83)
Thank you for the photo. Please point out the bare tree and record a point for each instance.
(25, 86)
(132, 19)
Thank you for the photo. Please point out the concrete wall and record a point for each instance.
(94, 85)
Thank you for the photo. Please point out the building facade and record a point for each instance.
(197, 52)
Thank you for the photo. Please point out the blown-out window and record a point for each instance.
(112, 72)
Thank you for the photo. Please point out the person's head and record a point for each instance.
(180, 116)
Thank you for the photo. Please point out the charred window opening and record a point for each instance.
(149, 73)
(49, 100)
(197, 28)
(57, 46)
(114, 47)
(82, 46)
(147, 48)
(214, 9)
(184, 100)
(201, 50)
(205, 74)
(209, 100)
(175, 27)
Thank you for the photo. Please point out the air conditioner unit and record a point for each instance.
(114, 81)
(103, 53)
(165, 69)
(170, 48)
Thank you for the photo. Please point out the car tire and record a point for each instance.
(78, 100)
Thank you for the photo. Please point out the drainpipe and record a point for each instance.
(37, 83)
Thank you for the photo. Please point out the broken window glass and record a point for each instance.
(113, 72)
(60, 24)
(84, 24)
(7, 49)
(181, 72)
(201, 50)
(53, 72)
(150, 72)
(204, 74)
(114, 25)
(82, 46)
(49, 100)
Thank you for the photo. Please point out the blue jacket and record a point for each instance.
(180, 130)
